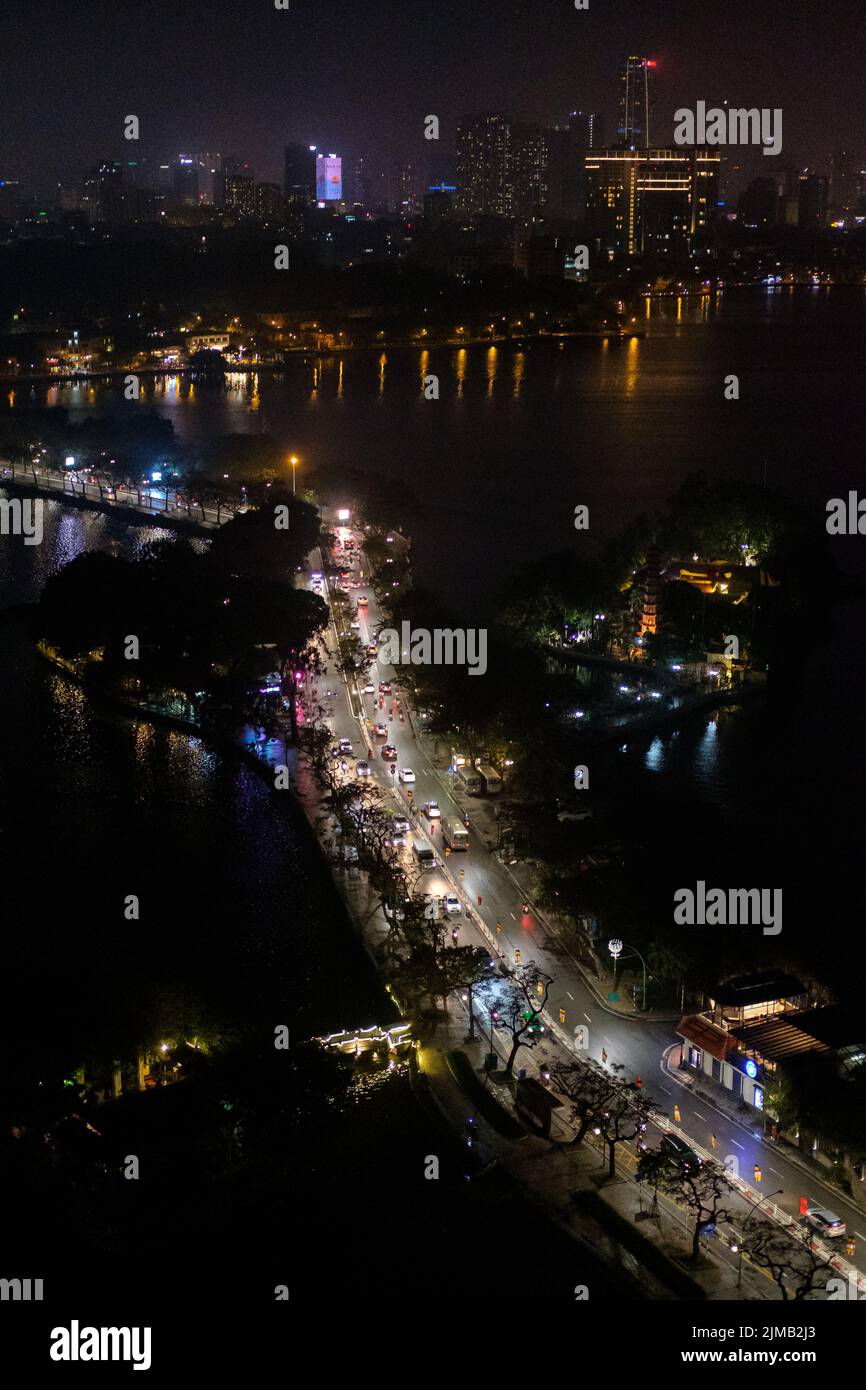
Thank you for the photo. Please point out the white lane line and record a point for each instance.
(586, 1016)
(513, 918)
(570, 995)
(666, 1091)
(860, 1234)
(699, 1115)
(739, 1146)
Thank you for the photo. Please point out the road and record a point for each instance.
(493, 896)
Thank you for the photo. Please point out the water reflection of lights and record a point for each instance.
(655, 755)
(519, 372)
(492, 358)
(460, 370)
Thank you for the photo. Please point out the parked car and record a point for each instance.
(453, 906)
(406, 775)
(401, 825)
(825, 1222)
(345, 745)
(362, 769)
(431, 810)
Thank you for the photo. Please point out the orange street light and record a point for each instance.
(294, 461)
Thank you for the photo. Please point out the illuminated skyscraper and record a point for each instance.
(650, 200)
(329, 178)
(484, 165)
(635, 102)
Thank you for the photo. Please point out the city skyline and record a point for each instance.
(315, 87)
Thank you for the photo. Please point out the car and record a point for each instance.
(406, 775)
(362, 768)
(355, 625)
(452, 905)
(398, 839)
(431, 810)
(384, 687)
(369, 689)
(825, 1222)
(680, 1151)
(362, 600)
(345, 745)
(401, 825)
(380, 730)
(389, 753)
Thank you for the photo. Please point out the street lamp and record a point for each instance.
(739, 1248)
(615, 947)
(294, 461)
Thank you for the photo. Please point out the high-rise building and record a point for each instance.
(299, 181)
(759, 204)
(103, 192)
(529, 169)
(402, 189)
(587, 129)
(361, 186)
(269, 201)
(484, 165)
(635, 102)
(650, 201)
(329, 178)
(237, 187)
(209, 164)
(813, 200)
(844, 172)
(438, 204)
(184, 182)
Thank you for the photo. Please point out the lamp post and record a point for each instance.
(615, 947)
(765, 1198)
(294, 460)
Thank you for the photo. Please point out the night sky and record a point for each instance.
(358, 76)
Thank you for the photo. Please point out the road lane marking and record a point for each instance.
(699, 1115)
(739, 1146)
(570, 995)
(586, 1016)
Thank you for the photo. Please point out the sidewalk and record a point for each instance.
(570, 1185)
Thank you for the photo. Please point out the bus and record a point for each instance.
(423, 851)
(469, 779)
(454, 833)
(491, 779)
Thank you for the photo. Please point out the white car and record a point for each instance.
(362, 769)
(431, 810)
(406, 775)
(401, 825)
(369, 689)
(355, 626)
(453, 905)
